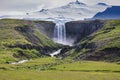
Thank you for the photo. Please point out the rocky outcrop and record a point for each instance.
(107, 54)
(78, 30)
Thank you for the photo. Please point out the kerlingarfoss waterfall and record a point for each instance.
(60, 32)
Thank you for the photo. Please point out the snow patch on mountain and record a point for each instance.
(74, 10)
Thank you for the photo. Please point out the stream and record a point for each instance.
(52, 55)
(20, 62)
(55, 53)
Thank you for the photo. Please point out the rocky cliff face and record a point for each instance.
(75, 30)
(78, 30)
(46, 27)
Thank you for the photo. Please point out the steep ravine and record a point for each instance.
(93, 40)
(78, 30)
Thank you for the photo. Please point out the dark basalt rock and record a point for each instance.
(46, 27)
(78, 30)
(108, 54)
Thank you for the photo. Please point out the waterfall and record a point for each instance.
(60, 32)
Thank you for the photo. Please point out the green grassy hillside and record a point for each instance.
(103, 44)
(20, 39)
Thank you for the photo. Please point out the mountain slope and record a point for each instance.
(110, 13)
(20, 39)
(101, 45)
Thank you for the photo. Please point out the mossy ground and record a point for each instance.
(52, 68)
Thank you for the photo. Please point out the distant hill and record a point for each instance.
(110, 13)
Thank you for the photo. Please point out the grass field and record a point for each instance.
(54, 69)
(57, 75)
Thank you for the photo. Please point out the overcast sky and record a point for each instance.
(20, 6)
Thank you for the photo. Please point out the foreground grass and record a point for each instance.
(89, 66)
(54, 69)
(57, 75)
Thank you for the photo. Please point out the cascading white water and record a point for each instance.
(60, 32)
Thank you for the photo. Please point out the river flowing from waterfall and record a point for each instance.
(55, 53)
